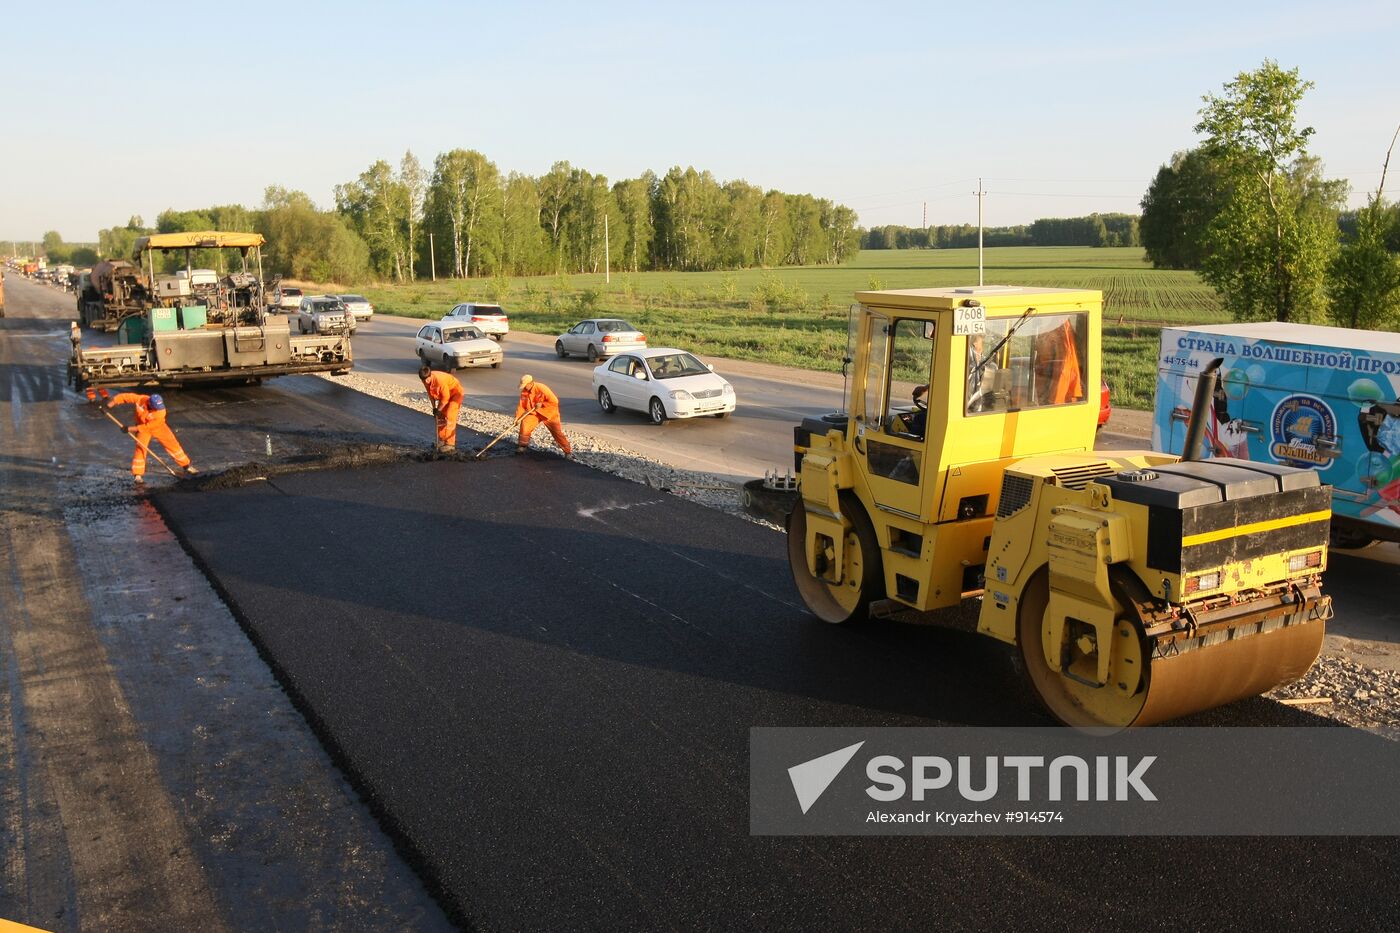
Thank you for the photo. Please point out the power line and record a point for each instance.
(1058, 194)
(1005, 178)
(903, 201)
(886, 194)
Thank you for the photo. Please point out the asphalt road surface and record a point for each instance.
(540, 678)
(543, 678)
(153, 775)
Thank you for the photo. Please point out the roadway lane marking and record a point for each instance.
(616, 507)
(610, 507)
(659, 608)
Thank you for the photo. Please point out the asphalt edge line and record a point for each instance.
(399, 838)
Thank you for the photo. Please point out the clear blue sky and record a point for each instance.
(1064, 108)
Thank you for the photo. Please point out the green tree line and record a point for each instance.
(1093, 230)
(303, 241)
(58, 252)
(464, 217)
(1251, 210)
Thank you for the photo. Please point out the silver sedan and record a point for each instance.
(599, 337)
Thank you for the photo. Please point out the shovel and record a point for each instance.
(477, 455)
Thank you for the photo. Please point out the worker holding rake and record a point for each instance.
(539, 406)
(445, 394)
(150, 424)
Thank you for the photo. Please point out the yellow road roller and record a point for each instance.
(1137, 587)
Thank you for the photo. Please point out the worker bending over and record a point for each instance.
(539, 406)
(445, 393)
(150, 423)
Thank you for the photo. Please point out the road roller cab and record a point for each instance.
(1133, 585)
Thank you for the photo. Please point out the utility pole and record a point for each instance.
(980, 195)
(432, 256)
(925, 215)
(607, 253)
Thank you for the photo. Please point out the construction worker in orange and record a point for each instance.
(539, 406)
(445, 393)
(1058, 376)
(150, 423)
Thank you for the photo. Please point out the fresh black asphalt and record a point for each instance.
(543, 679)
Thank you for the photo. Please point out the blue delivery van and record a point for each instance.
(1303, 395)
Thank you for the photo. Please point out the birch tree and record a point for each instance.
(375, 205)
(554, 205)
(415, 186)
(523, 249)
(633, 206)
(1269, 245)
(465, 189)
(1364, 279)
(773, 229)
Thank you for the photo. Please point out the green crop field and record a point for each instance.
(797, 316)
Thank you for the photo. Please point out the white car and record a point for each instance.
(664, 383)
(457, 346)
(358, 305)
(286, 298)
(492, 319)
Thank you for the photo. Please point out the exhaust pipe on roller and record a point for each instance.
(1196, 427)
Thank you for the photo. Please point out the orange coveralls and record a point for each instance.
(444, 389)
(1057, 377)
(149, 424)
(546, 404)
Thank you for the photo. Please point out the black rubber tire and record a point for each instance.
(560, 351)
(656, 411)
(605, 401)
(720, 415)
(1348, 539)
(592, 353)
(496, 365)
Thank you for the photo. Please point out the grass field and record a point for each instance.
(797, 316)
